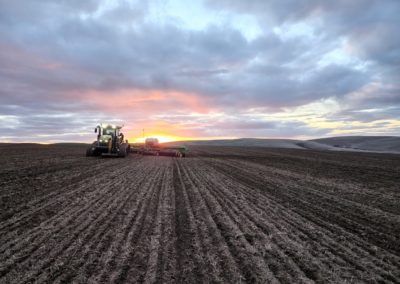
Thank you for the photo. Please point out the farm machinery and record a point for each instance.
(110, 142)
(153, 147)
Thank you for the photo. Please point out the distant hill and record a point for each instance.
(368, 143)
(255, 142)
(347, 143)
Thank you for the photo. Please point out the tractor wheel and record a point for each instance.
(123, 150)
(89, 152)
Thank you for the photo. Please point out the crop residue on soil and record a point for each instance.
(224, 214)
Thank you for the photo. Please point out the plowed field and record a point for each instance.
(221, 215)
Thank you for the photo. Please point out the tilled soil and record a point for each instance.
(221, 215)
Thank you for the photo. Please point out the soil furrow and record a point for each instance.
(251, 263)
(94, 248)
(112, 255)
(220, 215)
(261, 242)
(58, 223)
(221, 265)
(46, 249)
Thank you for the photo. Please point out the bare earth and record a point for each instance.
(223, 214)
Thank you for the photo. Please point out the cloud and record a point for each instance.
(96, 60)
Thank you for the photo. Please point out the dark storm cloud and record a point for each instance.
(51, 51)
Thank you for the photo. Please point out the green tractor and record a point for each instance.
(110, 142)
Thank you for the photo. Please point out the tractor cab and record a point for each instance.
(107, 132)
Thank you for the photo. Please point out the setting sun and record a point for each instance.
(161, 138)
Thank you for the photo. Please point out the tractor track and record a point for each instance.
(221, 215)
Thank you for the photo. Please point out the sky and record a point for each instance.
(199, 69)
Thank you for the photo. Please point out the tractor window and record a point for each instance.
(108, 131)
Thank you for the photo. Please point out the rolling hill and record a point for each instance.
(345, 143)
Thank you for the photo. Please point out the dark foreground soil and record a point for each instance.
(220, 215)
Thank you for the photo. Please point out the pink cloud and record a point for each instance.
(149, 102)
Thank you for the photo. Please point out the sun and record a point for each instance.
(161, 138)
(164, 139)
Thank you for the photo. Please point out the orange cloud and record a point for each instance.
(142, 101)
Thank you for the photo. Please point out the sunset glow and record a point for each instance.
(161, 138)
